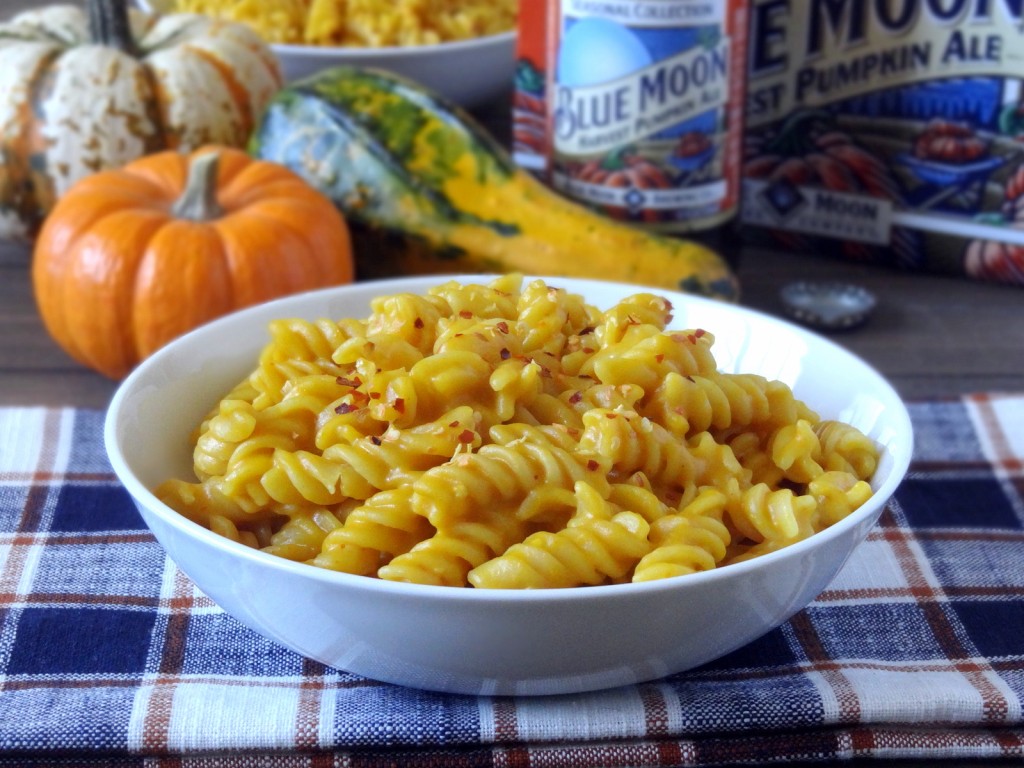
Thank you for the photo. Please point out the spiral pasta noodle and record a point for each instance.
(372, 534)
(507, 435)
(691, 540)
(597, 544)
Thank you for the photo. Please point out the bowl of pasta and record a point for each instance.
(462, 49)
(507, 485)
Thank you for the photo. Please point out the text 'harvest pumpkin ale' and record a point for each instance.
(635, 107)
(889, 132)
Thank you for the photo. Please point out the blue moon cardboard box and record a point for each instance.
(888, 131)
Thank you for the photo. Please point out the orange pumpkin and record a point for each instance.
(131, 258)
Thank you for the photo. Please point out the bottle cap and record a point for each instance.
(828, 306)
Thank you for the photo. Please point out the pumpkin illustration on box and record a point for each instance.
(1000, 261)
(949, 142)
(623, 168)
(809, 149)
(86, 90)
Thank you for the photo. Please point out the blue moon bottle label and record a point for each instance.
(645, 100)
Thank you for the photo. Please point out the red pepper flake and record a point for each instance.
(467, 436)
(454, 424)
(545, 372)
(418, 322)
(585, 331)
(374, 439)
(502, 326)
(349, 382)
(344, 408)
(588, 350)
(465, 313)
(611, 415)
(692, 338)
(659, 358)
(575, 397)
(400, 404)
(375, 395)
(505, 354)
(592, 465)
(699, 332)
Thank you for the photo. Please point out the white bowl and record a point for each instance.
(497, 641)
(468, 72)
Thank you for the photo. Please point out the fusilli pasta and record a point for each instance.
(509, 435)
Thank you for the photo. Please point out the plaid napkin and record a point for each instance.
(110, 656)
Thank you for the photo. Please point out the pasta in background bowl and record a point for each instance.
(497, 641)
(470, 71)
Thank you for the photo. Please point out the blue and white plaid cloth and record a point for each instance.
(110, 656)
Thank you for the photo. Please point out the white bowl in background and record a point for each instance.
(497, 641)
(469, 72)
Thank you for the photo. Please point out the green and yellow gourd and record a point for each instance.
(426, 189)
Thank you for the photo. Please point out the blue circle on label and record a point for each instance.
(596, 50)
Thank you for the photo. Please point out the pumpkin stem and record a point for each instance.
(199, 200)
(109, 25)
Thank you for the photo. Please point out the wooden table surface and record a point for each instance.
(931, 336)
